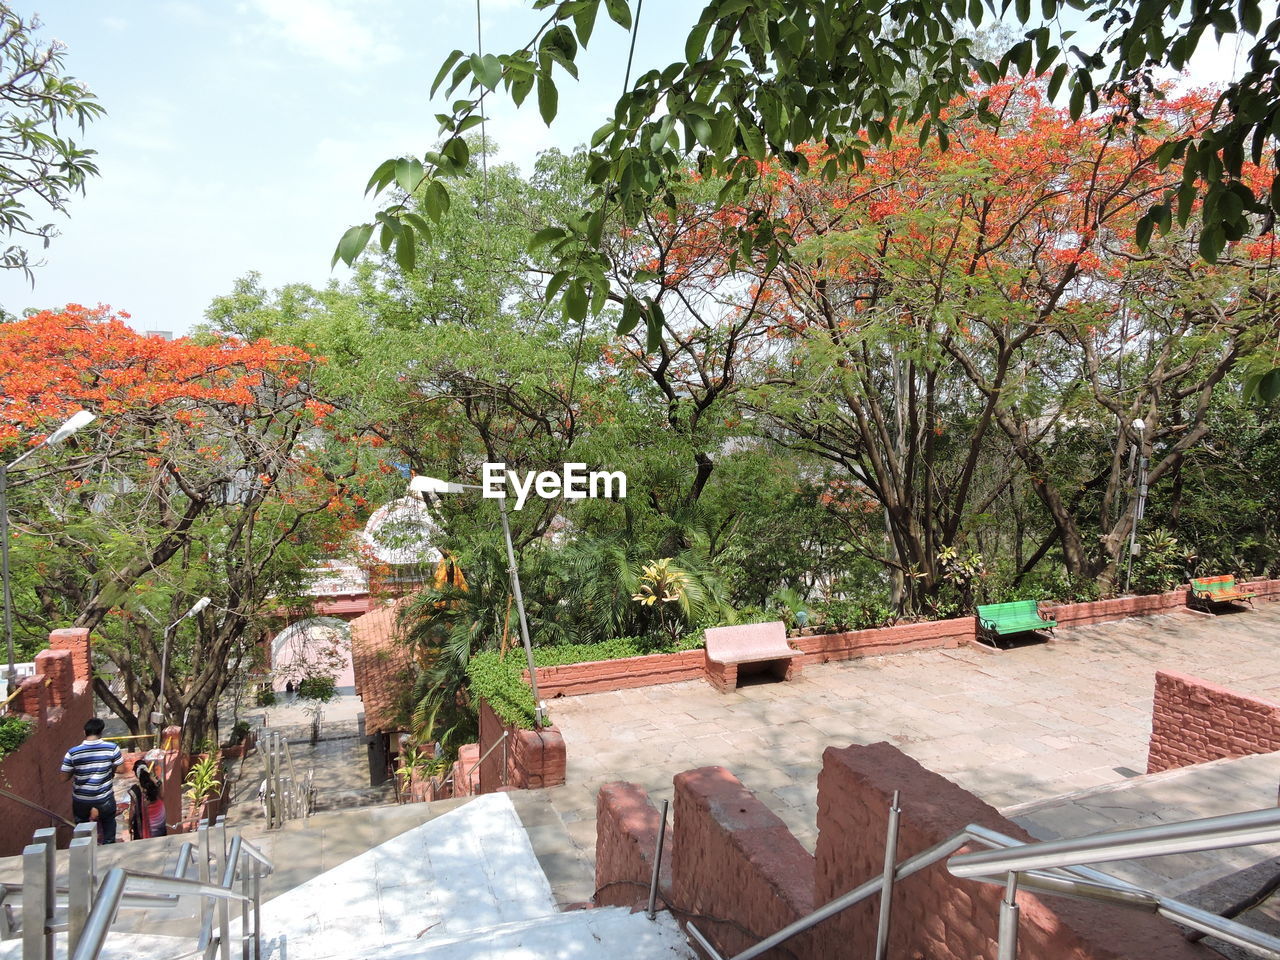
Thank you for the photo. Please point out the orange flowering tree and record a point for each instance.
(972, 333)
(209, 472)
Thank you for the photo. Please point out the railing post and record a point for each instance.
(657, 859)
(246, 892)
(37, 898)
(257, 911)
(81, 882)
(886, 884)
(1008, 944)
(202, 834)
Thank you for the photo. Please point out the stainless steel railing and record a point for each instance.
(86, 909)
(1056, 868)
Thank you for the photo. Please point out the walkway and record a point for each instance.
(1037, 721)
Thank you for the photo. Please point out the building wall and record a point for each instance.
(1194, 721)
(58, 700)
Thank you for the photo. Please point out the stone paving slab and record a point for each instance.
(1037, 721)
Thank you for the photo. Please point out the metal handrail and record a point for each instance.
(466, 774)
(35, 806)
(91, 908)
(1059, 868)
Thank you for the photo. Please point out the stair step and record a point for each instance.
(121, 946)
(600, 934)
(470, 869)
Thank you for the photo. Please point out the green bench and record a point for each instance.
(1208, 591)
(996, 620)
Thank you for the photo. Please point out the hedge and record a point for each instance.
(13, 733)
(499, 679)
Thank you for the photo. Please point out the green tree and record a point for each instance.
(40, 166)
(762, 77)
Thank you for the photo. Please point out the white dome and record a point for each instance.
(402, 532)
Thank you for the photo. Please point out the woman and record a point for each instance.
(146, 807)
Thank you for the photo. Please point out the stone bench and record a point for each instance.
(754, 644)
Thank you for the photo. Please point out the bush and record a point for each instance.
(321, 687)
(865, 614)
(238, 733)
(266, 697)
(500, 679)
(13, 733)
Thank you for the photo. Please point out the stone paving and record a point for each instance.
(1037, 721)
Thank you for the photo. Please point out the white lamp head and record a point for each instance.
(77, 420)
(421, 484)
(1139, 425)
(196, 607)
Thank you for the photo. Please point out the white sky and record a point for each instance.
(239, 136)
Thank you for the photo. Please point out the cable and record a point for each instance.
(484, 136)
(635, 28)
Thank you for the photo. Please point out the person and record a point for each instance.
(147, 813)
(91, 767)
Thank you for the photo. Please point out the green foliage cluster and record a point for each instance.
(318, 686)
(13, 733)
(497, 680)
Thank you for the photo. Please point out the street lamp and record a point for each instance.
(424, 485)
(157, 716)
(73, 423)
(1140, 495)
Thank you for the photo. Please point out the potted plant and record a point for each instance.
(202, 786)
(239, 743)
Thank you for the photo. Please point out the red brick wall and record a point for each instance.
(1265, 589)
(627, 826)
(1100, 611)
(1194, 721)
(534, 758)
(58, 700)
(931, 634)
(732, 858)
(603, 675)
(934, 914)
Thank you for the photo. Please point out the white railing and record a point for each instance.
(87, 907)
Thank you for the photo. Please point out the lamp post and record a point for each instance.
(74, 423)
(157, 716)
(424, 485)
(1140, 496)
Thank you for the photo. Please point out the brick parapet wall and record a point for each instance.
(600, 676)
(1265, 589)
(58, 702)
(936, 915)
(627, 825)
(1195, 721)
(733, 858)
(533, 758)
(1118, 608)
(849, 644)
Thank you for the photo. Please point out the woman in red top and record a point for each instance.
(147, 816)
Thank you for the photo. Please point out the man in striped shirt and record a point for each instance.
(91, 766)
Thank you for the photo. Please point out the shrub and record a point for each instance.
(13, 733)
(319, 686)
(266, 697)
(864, 614)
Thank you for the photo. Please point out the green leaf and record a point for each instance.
(584, 21)
(1213, 239)
(1269, 385)
(554, 284)
(1055, 81)
(436, 200)
(1142, 232)
(383, 175)
(619, 12)
(487, 70)
(406, 251)
(653, 322)
(352, 244)
(696, 42)
(409, 173)
(546, 235)
(630, 316)
(548, 97)
(444, 70)
(575, 300)
(1077, 101)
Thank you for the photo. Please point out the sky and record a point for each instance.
(239, 136)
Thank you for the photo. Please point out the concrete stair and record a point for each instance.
(465, 884)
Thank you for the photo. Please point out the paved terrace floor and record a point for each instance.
(1037, 721)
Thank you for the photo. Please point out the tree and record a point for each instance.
(39, 164)
(761, 77)
(209, 472)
